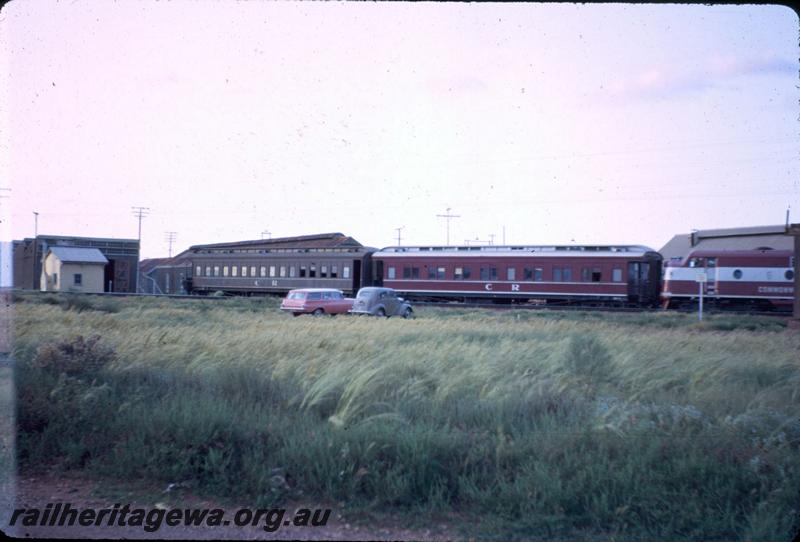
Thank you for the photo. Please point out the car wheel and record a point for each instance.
(318, 312)
(296, 314)
(408, 313)
(380, 312)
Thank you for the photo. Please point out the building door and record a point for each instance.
(108, 277)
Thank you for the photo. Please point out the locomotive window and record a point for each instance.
(737, 273)
(282, 271)
(567, 274)
(208, 270)
(334, 271)
(216, 270)
(252, 270)
(391, 273)
(616, 274)
(346, 272)
(302, 271)
(263, 271)
(224, 270)
(244, 271)
(440, 273)
(597, 274)
(712, 262)
(292, 271)
(198, 271)
(557, 274)
(692, 262)
(511, 273)
(272, 271)
(538, 274)
(789, 274)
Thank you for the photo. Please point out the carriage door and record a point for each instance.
(356, 275)
(378, 273)
(638, 281)
(711, 273)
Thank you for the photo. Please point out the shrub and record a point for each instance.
(75, 302)
(77, 357)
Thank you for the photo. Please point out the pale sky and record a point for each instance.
(594, 124)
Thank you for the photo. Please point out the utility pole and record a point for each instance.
(170, 237)
(35, 224)
(267, 233)
(491, 238)
(398, 234)
(447, 216)
(139, 212)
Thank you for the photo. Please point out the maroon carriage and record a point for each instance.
(732, 278)
(554, 274)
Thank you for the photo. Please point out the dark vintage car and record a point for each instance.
(316, 301)
(375, 301)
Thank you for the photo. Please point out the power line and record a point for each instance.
(447, 216)
(170, 236)
(139, 212)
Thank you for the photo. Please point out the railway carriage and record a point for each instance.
(553, 274)
(734, 278)
(279, 265)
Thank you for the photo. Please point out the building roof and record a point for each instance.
(320, 240)
(78, 255)
(747, 238)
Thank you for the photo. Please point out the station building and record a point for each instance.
(119, 271)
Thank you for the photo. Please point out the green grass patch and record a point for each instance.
(541, 424)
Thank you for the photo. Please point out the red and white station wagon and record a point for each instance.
(316, 301)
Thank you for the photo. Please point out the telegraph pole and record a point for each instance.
(447, 216)
(398, 234)
(170, 237)
(139, 212)
(35, 224)
(267, 233)
(491, 238)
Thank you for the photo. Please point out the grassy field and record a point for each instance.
(524, 424)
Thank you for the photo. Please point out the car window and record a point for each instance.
(364, 294)
(297, 295)
(337, 295)
(315, 296)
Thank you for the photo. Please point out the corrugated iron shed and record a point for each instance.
(79, 255)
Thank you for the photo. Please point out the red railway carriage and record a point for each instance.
(628, 274)
(746, 278)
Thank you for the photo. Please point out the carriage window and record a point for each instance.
(235, 271)
(488, 273)
(585, 274)
(224, 270)
(597, 274)
(431, 273)
(292, 271)
(282, 271)
(737, 273)
(334, 271)
(252, 270)
(216, 270)
(391, 272)
(527, 274)
(244, 271)
(198, 271)
(208, 270)
(263, 271)
(467, 272)
(511, 273)
(557, 274)
(271, 270)
(440, 273)
(458, 273)
(411, 272)
(302, 271)
(616, 274)
(312, 271)
(538, 274)
(323, 271)
(346, 272)
(567, 274)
